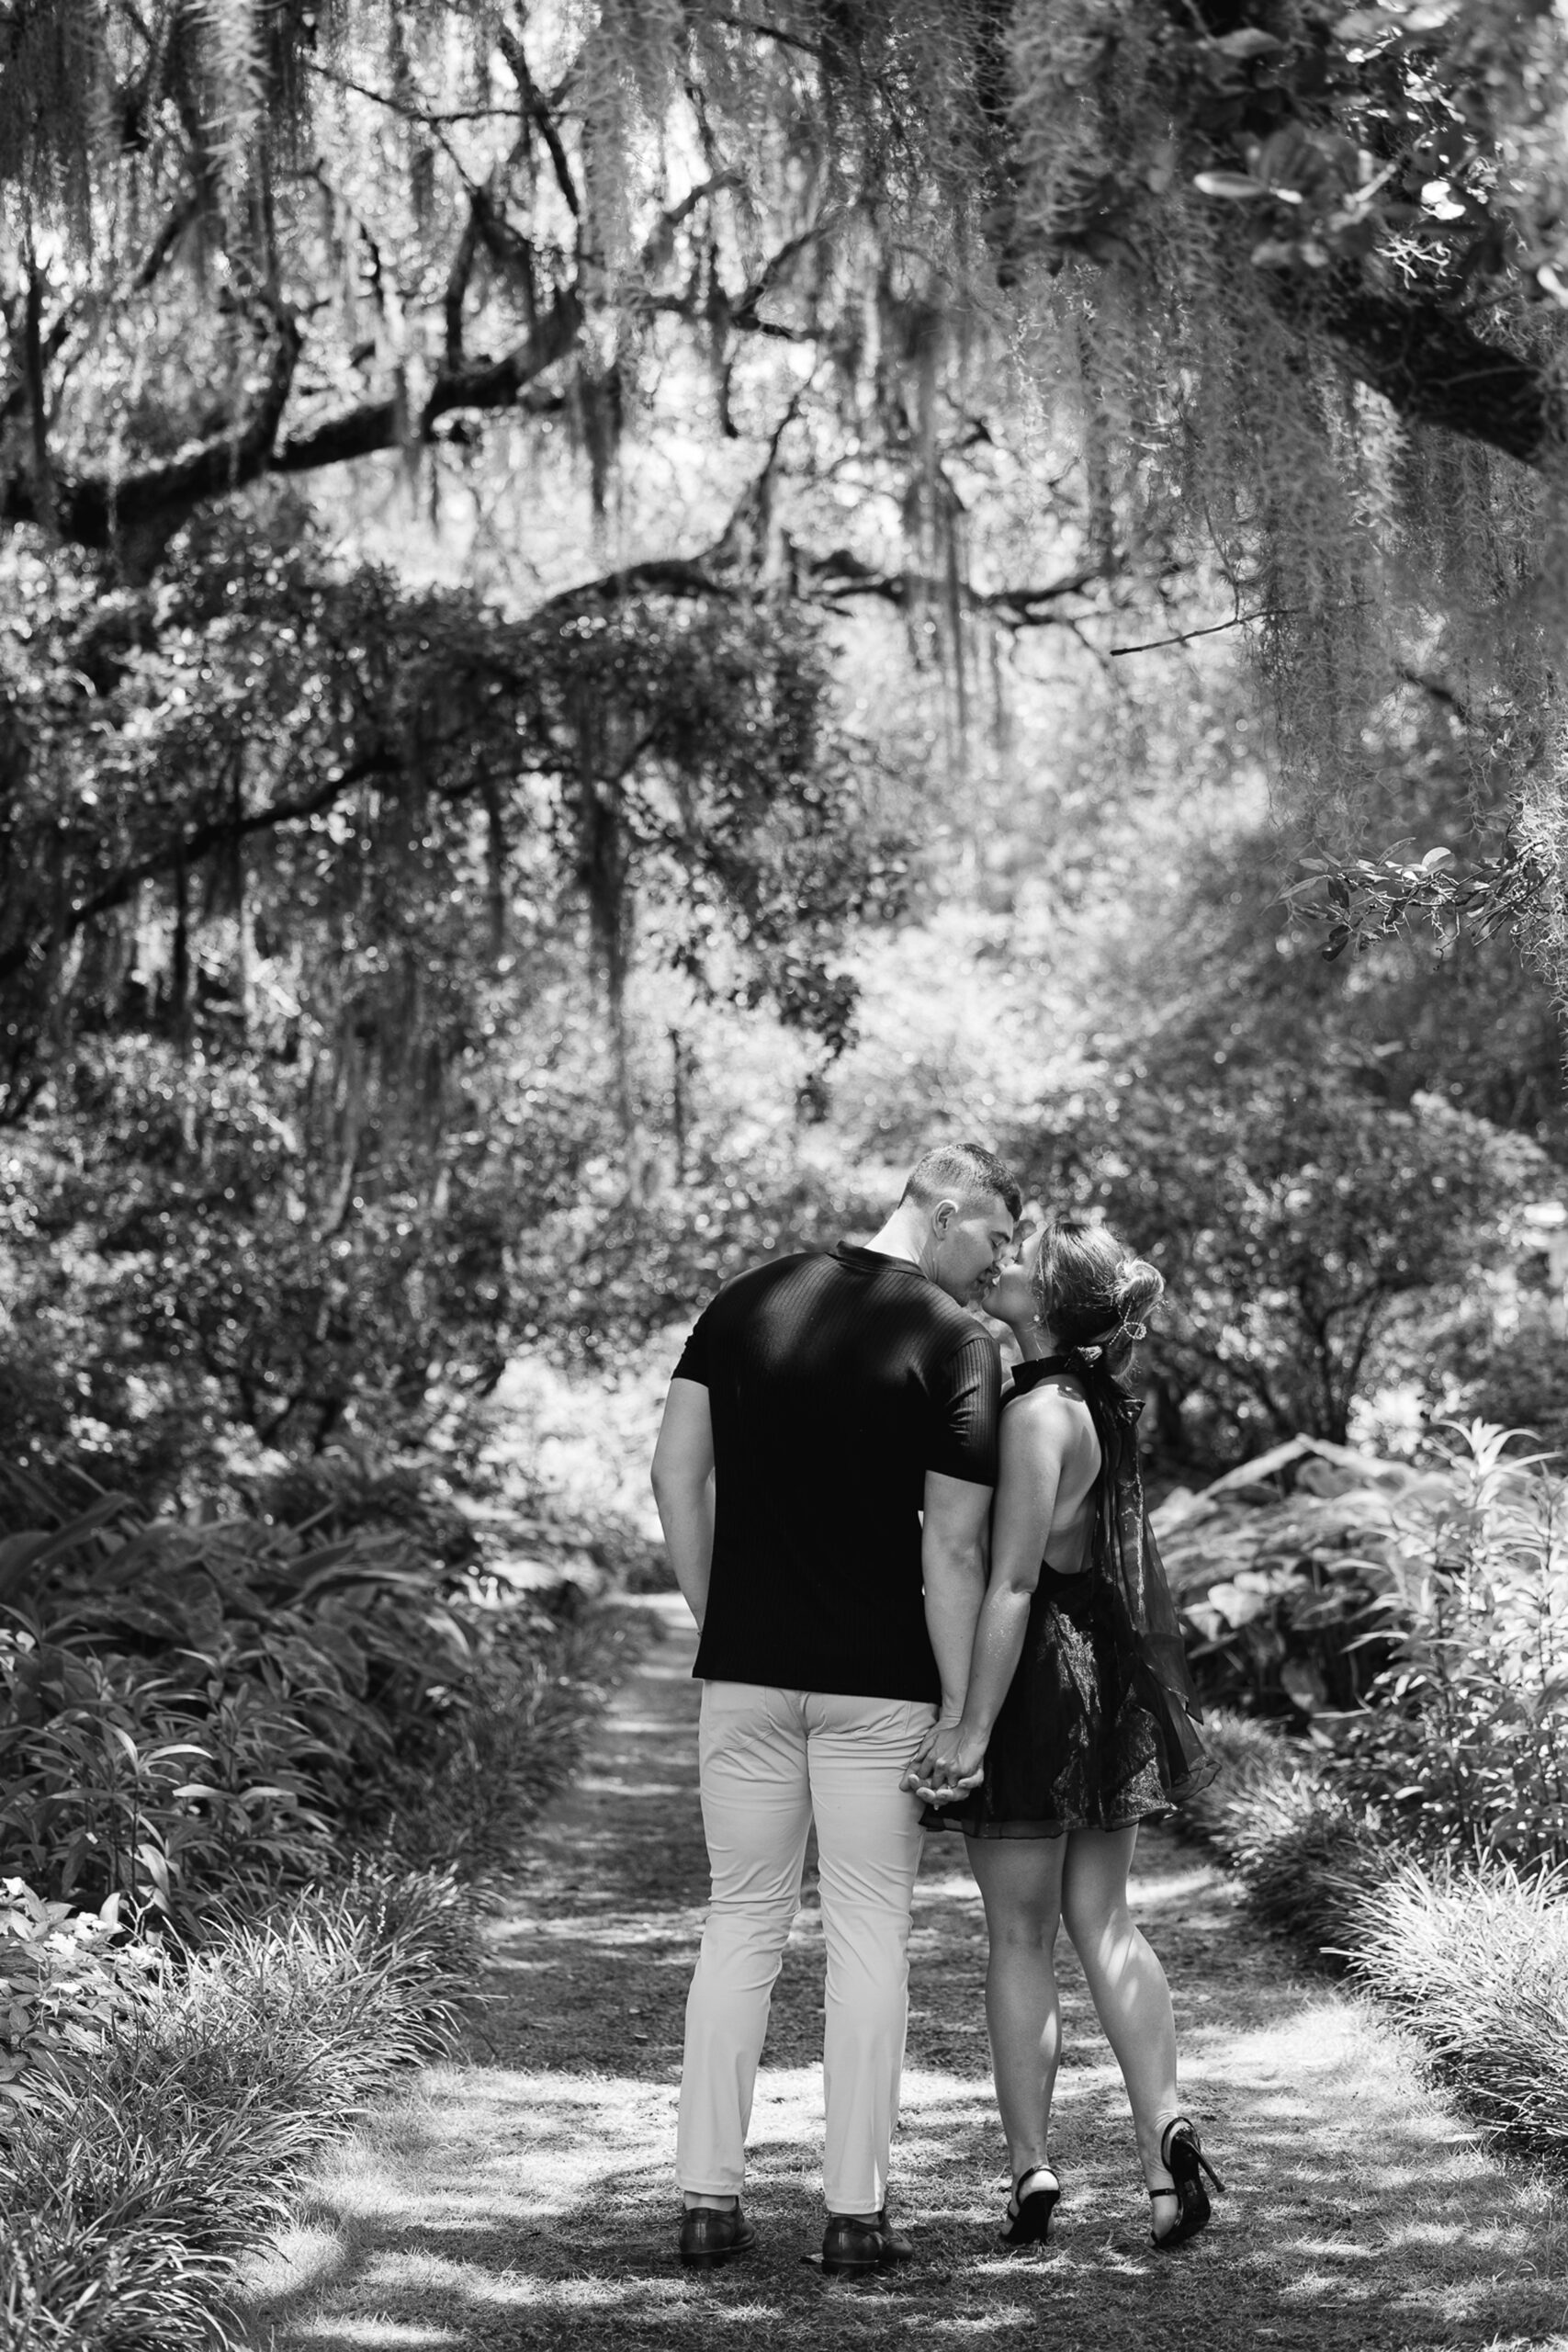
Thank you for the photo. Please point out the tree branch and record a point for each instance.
(768, 32)
(1186, 636)
(536, 111)
(146, 273)
(497, 383)
(1430, 366)
(190, 848)
(843, 573)
(457, 279)
(42, 483)
(138, 512)
(744, 313)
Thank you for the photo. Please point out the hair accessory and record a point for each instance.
(1136, 1331)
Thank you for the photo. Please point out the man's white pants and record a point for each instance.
(771, 1761)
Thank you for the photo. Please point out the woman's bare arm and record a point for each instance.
(1040, 1434)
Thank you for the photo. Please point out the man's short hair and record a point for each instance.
(962, 1172)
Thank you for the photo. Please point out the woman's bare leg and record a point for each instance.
(1128, 1987)
(1021, 1883)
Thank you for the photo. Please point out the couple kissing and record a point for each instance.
(928, 1605)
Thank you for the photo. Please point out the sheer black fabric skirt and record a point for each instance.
(1086, 1738)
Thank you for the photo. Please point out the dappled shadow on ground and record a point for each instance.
(525, 2199)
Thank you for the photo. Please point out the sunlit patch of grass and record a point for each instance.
(302, 2256)
(391, 2334)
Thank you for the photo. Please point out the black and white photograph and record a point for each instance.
(783, 1175)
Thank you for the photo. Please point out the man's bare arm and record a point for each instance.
(683, 1489)
(953, 1563)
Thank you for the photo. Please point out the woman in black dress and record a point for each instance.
(1078, 1723)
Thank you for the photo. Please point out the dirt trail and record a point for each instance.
(524, 2198)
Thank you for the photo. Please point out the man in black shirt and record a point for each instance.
(823, 1476)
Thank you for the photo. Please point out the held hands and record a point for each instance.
(949, 1762)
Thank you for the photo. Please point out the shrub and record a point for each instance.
(1470, 1955)
(529, 1698)
(1475, 1957)
(191, 1711)
(1465, 1742)
(69, 1982)
(1293, 1215)
(161, 2096)
(1274, 1568)
(348, 1488)
(127, 2206)
(1302, 1849)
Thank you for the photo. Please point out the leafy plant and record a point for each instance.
(1277, 1633)
(1468, 1952)
(193, 1711)
(1465, 1741)
(69, 1982)
(1290, 1212)
(1474, 1956)
(1364, 899)
(123, 2210)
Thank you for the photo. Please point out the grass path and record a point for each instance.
(524, 2198)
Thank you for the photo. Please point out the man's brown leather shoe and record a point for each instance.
(853, 2245)
(709, 2237)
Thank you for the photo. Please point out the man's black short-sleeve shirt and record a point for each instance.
(835, 1384)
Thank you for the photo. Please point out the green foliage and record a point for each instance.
(279, 806)
(1472, 1957)
(69, 1982)
(1302, 1849)
(1520, 1383)
(1466, 1744)
(1349, 227)
(308, 887)
(657, 1262)
(1288, 1211)
(1369, 898)
(1468, 1952)
(125, 2207)
(1280, 1635)
(535, 1687)
(210, 1285)
(196, 1713)
(163, 2100)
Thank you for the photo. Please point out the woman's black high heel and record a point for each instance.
(1028, 2218)
(1181, 2153)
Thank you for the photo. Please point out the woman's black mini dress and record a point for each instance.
(1098, 1727)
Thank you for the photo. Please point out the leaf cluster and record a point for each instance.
(1289, 1210)
(194, 1714)
(1466, 1744)
(1364, 899)
(69, 1982)
(126, 2207)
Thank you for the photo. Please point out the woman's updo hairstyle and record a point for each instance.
(1093, 1293)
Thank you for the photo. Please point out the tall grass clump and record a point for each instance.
(1475, 1957)
(130, 2189)
(1303, 1849)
